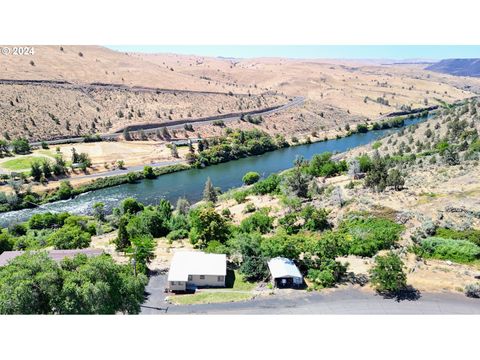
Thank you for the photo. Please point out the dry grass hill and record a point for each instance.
(336, 92)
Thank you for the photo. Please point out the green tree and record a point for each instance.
(450, 156)
(36, 171)
(387, 275)
(122, 241)
(377, 175)
(148, 172)
(46, 169)
(99, 211)
(70, 236)
(30, 284)
(65, 190)
(98, 285)
(183, 206)
(254, 265)
(250, 178)
(259, 221)
(131, 206)
(395, 179)
(209, 192)
(296, 182)
(142, 252)
(207, 225)
(21, 146)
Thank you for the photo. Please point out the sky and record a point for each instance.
(394, 52)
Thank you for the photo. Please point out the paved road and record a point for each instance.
(345, 301)
(179, 124)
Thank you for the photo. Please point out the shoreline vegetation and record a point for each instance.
(256, 143)
(315, 226)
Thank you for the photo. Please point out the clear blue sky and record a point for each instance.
(315, 51)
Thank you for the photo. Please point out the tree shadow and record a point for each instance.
(408, 294)
(230, 279)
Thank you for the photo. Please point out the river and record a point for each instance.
(190, 183)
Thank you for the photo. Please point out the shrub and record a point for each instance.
(367, 235)
(47, 220)
(130, 206)
(70, 237)
(259, 221)
(65, 190)
(329, 273)
(387, 275)
(471, 235)
(473, 290)
(148, 172)
(461, 251)
(177, 234)
(240, 195)
(250, 178)
(269, 185)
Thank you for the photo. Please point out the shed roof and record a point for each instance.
(186, 263)
(56, 255)
(283, 268)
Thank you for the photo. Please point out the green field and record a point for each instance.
(21, 163)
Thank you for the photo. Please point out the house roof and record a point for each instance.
(283, 268)
(186, 263)
(56, 255)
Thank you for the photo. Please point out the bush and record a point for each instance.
(368, 235)
(240, 195)
(70, 237)
(471, 235)
(270, 185)
(65, 190)
(387, 275)
(130, 206)
(259, 221)
(461, 251)
(177, 234)
(329, 273)
(47, 220)
(250, 178)
(148, 173)
(473, 290)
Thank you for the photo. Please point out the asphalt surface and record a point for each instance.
(349, 301)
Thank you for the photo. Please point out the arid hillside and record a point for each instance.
(362, 88)
(44, 112)
(61, 96)
(68, 91)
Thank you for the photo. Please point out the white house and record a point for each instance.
(285, 273)
(191, 269)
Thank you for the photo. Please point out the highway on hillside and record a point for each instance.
(179, 124)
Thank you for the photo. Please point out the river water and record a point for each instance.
(190, 183)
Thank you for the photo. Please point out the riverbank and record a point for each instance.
(190, 183)
(100, 181)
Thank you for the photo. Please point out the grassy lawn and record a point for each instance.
(209, 297)
(235, 281)
(20, 163)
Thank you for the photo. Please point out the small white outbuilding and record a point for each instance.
(285, 273)
(191, 269)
